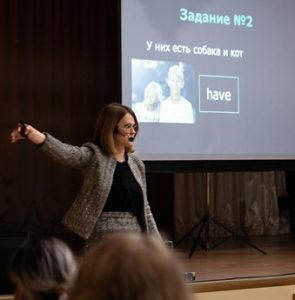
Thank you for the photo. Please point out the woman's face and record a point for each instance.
(126, 132)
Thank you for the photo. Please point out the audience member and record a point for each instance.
(130, 266)
(43, 269)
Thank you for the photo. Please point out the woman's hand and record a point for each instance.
(20, 132)
(28, 132)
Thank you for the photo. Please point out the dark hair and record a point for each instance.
(106, 125)
(43, 269)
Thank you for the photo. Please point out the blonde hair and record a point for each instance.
(153, 95)
(43, 269)
(176, 71)
(130, 266)
(106, 126)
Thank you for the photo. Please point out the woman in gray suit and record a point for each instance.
(113, 195)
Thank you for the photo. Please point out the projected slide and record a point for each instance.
(210, 79)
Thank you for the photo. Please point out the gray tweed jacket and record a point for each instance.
(97, 169)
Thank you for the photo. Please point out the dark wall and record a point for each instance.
(59, 66)
(60, 63)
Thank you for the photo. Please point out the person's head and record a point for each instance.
(153, 95)
(130, 267)
(116, 124)
(175, 79)
(42, 269)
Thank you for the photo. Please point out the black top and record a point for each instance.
(126, 194)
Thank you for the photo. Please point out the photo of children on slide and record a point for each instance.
(163, 92)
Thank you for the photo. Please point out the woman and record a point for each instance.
(113, 196)
(43, 269)
(130, 266)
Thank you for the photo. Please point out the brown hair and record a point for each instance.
(106, 125)
(130, 266)
(43, 269)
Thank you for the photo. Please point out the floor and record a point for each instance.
(235, 259)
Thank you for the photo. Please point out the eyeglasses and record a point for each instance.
(130, 127)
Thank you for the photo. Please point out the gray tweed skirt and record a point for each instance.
(112, 222)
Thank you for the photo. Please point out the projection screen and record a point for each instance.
(210, 79)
